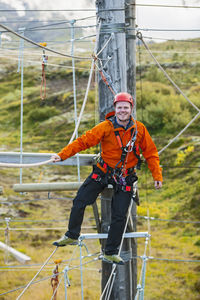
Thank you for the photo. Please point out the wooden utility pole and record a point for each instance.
(117, 16)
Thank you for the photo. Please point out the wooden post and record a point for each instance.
(121, 68)
(131, 88)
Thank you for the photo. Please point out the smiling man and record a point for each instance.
(121, 139)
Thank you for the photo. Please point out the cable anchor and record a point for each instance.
(139, 35)
(44, 64)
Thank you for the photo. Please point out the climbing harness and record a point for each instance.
(44, 64)
(123, 177)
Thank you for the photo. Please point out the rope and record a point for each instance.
(120, 248)
(88, 86)
(105, 45)
(38, 45)
(197, 115)
(42, 267)
(139, 36)
(7, 165)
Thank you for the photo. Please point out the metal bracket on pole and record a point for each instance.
(80, 243)
(66, 280)
(145, 259)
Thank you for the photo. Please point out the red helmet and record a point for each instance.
(125, 97)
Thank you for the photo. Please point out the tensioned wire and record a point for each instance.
(42, 47)
(139, 36)
(46, 278)
(27, 286)
(95, 56)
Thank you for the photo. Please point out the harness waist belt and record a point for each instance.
(104, 165)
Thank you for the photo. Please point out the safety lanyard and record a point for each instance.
(128, 148)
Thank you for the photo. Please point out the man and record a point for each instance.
(120, 137)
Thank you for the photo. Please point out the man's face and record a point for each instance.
(123, 111)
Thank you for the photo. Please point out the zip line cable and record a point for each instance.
(94, 10)
(122, 27)
(163, 29)
(164, 5)
(42, 47)
(174, 260)
(44, 21)
(139, 35)
(61, 10)
(170, 40)
(59, 23)
(168, 220)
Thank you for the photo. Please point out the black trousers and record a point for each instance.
(87, 195)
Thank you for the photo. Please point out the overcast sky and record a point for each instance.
(147, 17)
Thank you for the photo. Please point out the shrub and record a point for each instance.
(42, 113)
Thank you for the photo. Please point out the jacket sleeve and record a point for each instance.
(150, 153)
(89, 139)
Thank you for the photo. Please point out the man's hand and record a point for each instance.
(158, 184)
(55, 158)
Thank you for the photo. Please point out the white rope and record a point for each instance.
(88, 86)
(42, 267)
(120, 248)
(8, 165)
(139, 35)
(105, 45)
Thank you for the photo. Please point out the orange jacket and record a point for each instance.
(111, 152)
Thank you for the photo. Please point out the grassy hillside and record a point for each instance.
(48, 126)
